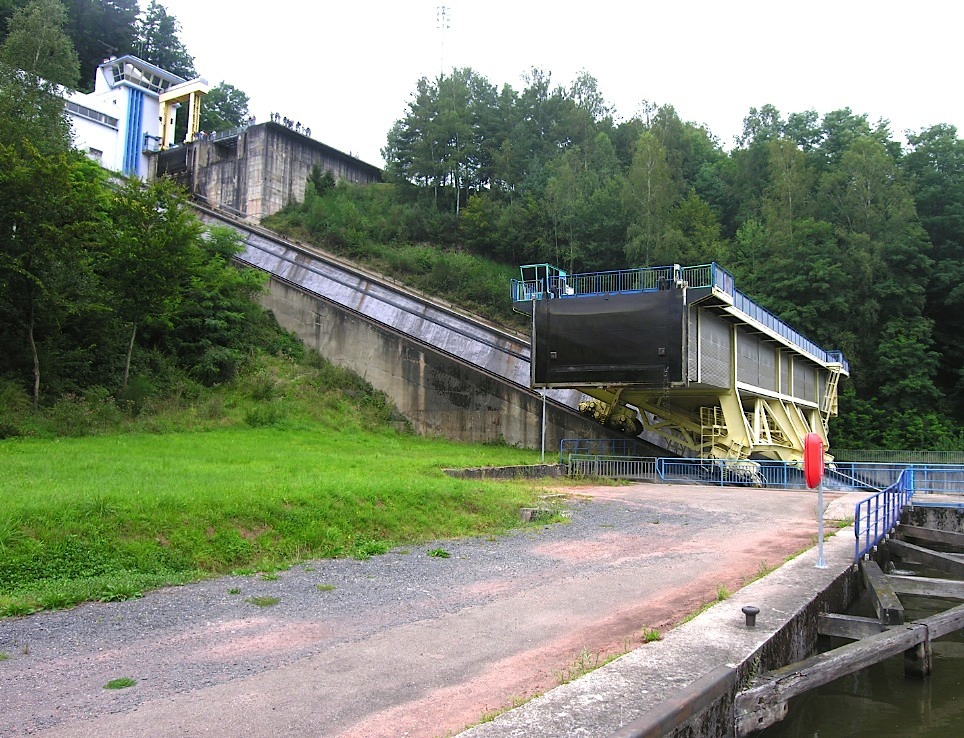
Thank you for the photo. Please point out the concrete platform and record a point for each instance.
(609, 698)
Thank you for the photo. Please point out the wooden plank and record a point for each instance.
(763, 702)
(674, 711)
(944, 622)
(932, 535)
(847, 626)
(924, 556)
(919, 660)
(952, 589)
(886, 602)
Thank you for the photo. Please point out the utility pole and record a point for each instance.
(443, 21)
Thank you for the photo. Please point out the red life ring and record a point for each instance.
(813, 459)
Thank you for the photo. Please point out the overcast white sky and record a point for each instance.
(348, 69)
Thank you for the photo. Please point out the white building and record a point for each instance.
(132, 110)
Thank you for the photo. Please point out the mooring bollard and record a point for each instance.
(751, 612)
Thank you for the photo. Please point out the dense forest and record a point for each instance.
(850, 233)
(852, 236)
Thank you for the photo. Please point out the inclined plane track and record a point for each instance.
(427, 321)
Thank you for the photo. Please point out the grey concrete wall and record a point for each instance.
(263, 169)
(949, 518)
(439, 394)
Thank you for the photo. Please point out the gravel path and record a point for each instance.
(400, 644)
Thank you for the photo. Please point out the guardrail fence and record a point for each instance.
(879, 514)
(876, 516)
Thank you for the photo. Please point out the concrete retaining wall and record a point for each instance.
(262, 169)
(531, 471)
(440, 395)
(942, 518)
(633, 691)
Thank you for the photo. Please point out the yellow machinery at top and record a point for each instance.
(681, 353)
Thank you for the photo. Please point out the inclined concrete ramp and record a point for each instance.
(640, 683)
(416, 317)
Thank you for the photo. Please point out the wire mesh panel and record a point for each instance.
(614, 467)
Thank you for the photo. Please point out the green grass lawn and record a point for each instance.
(105, 517)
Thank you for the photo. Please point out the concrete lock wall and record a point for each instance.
(948, 518)
(264, 167)
(439, 394)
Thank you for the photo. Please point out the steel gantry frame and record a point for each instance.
(710, 372)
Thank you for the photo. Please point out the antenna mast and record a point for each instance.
(443, 17)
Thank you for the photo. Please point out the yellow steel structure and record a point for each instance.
(737, 384)
(191, 93)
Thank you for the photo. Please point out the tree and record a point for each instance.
(100, 29)
(789, 191)
(218, 318)
(38, 46)
(443, 141)
(885, 250)
(159, 44)
(48, 218)
(649, 194)
(224, 107)
(35, 58)
(153, 248)
(693, 235)
(936, 164)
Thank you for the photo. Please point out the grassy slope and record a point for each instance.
(296, 465)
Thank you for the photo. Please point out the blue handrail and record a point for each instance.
(879, 514)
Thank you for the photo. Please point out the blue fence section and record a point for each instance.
(879, 514)
(741, 472)
(938, 479)
(639, 468)
(644, 279)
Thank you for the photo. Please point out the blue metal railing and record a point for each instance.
(723, 281)
(727, 472)
(625, 281)
(879, 514)
(944, 479)
(651, 279)
(904, 457)
(615, 467)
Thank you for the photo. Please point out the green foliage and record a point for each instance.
(158, 42)
(120, 683)
(99, 28)
(101, 283)
(376, 226)
(263, 601)
(224, 107)
(37, 45)
(323, 182)
(366, 548)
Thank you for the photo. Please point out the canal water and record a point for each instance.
(880, 701)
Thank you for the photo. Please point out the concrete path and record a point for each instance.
(498, 641)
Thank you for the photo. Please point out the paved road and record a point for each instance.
(404, 644)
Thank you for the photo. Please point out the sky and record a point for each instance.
(348, 69)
